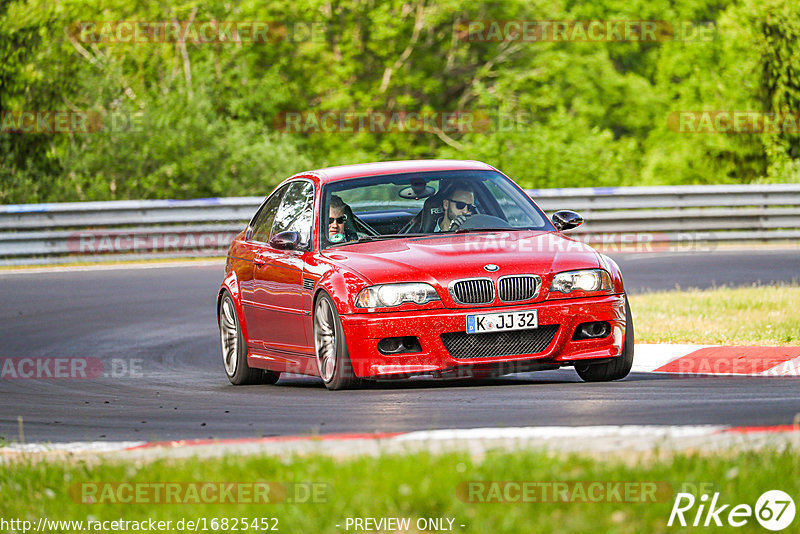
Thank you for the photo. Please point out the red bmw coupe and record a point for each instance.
(390, 270)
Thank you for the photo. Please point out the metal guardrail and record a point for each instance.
(53, 233)
(709, 212)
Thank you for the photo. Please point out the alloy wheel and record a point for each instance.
(229, 336)
(325, 339)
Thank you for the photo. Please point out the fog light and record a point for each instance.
(593, 330)
(399, 345)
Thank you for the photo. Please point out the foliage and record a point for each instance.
(563, 114)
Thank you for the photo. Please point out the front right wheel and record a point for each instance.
(333, 359)
(619, 367)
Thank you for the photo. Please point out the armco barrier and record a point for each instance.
(765, 212)
(53, 233)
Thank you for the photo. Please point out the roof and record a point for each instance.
(341, 172)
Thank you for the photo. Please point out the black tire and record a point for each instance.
(234, 348)
(619, 367)
(330, 347)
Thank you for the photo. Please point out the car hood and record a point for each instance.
(439, 259)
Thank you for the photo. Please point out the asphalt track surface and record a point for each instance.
(162, 322)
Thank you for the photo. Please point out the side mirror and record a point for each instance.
(285, 240)
(566, 220)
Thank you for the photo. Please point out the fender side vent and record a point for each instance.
(308, 284)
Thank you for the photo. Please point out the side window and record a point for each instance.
(262, 227)
(296, 211)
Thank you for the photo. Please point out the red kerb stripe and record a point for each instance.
(731, 360)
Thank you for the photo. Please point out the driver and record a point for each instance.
(457, 206)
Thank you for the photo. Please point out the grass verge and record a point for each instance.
(762, 315)
(326, 491)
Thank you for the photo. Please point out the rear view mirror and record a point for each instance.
(418, 189)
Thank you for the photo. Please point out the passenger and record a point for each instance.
(340, 229)
(458, 205)
(336, 216)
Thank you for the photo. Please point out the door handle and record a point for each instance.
(258, 261)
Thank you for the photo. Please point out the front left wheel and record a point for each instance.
(619, 367)
(234, 348)
(333, 359)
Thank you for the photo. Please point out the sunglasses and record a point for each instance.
(461, 205)
(339, 220)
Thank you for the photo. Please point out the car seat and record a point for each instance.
(425, 221)
(350, 229)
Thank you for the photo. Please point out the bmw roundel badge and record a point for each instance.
(491, 267)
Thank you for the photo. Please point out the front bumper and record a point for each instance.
(363, 332)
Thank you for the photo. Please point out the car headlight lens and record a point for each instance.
(389, 295)
(590, 281)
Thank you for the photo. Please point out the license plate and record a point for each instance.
(497, 322)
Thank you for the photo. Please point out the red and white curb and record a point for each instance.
(690, 360)
(586, 439)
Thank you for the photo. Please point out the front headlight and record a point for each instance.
(389, 295)
(590, 281)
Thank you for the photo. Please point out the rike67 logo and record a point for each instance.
(774, 510)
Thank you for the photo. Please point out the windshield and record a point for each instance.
(425, 203)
